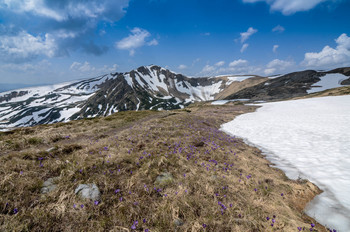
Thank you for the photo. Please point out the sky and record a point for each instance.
(50, 41)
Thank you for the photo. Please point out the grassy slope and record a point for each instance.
(127, 151)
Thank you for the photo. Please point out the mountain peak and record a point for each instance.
(147, 87)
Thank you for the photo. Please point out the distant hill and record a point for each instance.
(152, 87)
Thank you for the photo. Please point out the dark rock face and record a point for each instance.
(345, 82)
(287, 86)
(13, 94)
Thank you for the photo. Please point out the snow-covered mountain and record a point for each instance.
(148, 87)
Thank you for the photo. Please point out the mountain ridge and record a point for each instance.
(147, 87)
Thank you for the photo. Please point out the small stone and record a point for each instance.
(49, 185)
(50, 149)
(88, 191)
(164, 179)
(178, 222)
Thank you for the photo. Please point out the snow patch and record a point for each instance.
(329, 81)
(307, 138)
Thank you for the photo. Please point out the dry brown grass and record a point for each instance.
(127, 151)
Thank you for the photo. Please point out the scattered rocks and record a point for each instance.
(88, 191)
(49, 185)
(165, 178)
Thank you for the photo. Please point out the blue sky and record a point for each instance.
(50, 41)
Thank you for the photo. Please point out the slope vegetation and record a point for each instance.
(215, 182)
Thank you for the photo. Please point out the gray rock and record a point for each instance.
(164, 179)
(88, 191)
(49, 185)
(178, 222)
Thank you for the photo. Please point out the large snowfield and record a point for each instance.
(308, 138)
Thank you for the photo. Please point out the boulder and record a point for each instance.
(88, 191)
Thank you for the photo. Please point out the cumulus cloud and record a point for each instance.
(69, 25)
(245, 35)
(153, 42)
(288, 7)
(136, 39)
(208, 69)
(244, 47)
(86, 67)
(25, 46)
(238, 67)
(65, 10)
(274, 48)
(277, 65)
(220, 63)
(278, 28)
(182, 67)
(237, 63)
(330, 57)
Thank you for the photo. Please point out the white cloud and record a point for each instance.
(72, 24)
(136, 39)
(275, 47)
(247, 34)
(278, 28)
(86, 67)
(238, 67)
(244, 47)
(208, 69)
(111, 69)
(330, 57)
(237, 63)
(288, 7)
(153, 42)
(182, 67)
(277, 65)
(67, 10)
(269, 71)
(25, 46)
(220, 63)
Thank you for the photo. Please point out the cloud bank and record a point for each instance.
(330, 57)
(288, 7)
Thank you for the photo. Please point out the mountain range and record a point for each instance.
(152, 87)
